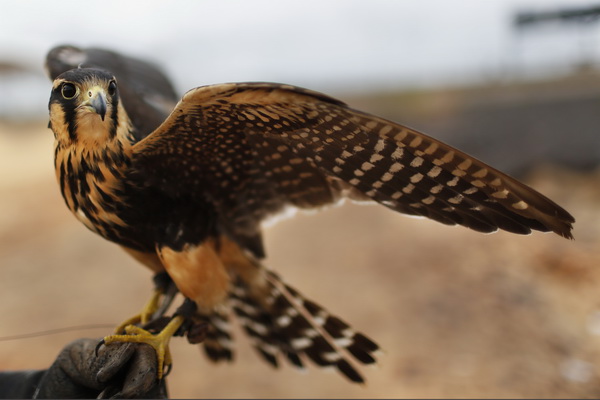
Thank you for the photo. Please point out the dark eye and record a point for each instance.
(112, 88)
(68, 91)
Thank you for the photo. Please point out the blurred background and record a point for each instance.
(459, 314)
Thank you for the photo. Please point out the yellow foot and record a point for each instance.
(144, 316)
(159, 341)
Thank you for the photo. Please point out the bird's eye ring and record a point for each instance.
(68, 91)
(112, 88)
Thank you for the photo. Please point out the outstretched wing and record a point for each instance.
(252, 149)
(148, 95)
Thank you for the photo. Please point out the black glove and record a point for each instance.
(121, 370)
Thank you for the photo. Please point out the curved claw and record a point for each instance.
(169, 367)
(100, 343)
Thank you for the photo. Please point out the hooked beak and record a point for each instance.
(96, 100)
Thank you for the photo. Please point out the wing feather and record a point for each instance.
(253, 149)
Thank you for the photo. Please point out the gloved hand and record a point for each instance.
(121, 370)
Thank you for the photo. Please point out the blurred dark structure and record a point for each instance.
(526, 19)
(583, 20)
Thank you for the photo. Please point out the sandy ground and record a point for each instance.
(458, 313)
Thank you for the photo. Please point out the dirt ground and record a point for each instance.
(459, 314)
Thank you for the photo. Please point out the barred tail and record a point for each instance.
(215, 336)
(285, 324)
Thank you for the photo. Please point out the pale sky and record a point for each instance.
(328, 45)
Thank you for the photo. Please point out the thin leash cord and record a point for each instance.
(55, 331)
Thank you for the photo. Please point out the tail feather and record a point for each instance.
(286, 324)
(217, 338)
(255, 322)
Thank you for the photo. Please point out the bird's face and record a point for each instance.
(84, 106)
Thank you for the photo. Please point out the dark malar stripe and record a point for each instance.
(69, 179)
(114, 118)
(63, 179)
(69, 120)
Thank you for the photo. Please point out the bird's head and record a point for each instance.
(84, 107)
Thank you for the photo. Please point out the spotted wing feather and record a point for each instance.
(253, 149)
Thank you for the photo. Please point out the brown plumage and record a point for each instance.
(190, 195)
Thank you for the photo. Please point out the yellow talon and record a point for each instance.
(160, 341)
(144, 316)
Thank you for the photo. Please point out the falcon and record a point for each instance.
(184, 185)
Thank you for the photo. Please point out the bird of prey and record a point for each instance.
(183, 186)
